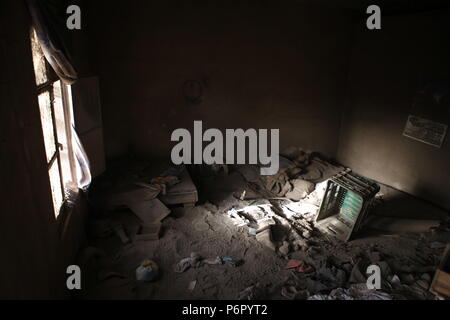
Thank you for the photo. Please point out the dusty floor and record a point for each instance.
(407, 260)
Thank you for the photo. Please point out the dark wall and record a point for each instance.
(260, 65)
(268, 65)
(387, 68)
(34, 251)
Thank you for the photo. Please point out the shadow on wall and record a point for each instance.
(402, 205)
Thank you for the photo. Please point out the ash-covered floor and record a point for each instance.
(220, 249)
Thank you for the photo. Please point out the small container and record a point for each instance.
(147, 271)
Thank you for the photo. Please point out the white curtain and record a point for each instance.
(81, 163)
(48, 18)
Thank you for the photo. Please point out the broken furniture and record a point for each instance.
(184, 192)
(345, 204)
(441, 281)
(146, 194)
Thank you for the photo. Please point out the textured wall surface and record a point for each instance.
(387, 68)
(260, 66)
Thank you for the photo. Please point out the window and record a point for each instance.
(56, 117)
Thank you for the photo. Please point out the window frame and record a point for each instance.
(49, 87)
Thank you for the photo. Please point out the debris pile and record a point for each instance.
(127, 213)
(297, 177)
(325, 268)
(277, 225)
(345, 272)
(139, 194)
(286, 254)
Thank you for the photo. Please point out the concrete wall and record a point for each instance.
(387, 67)
(261, 65)
(34, 254)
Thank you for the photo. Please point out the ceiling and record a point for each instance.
(387, 6)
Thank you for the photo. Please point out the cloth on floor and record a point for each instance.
(140, 193)
(295, 179)
(195, 261)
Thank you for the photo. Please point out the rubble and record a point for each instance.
(355, 292)
(441, 282)
(299, 266)
(291, 293)
(284, 248)
(296, 177)
(255, 292)
(265, 238)
(192, 285)
(319, 266)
